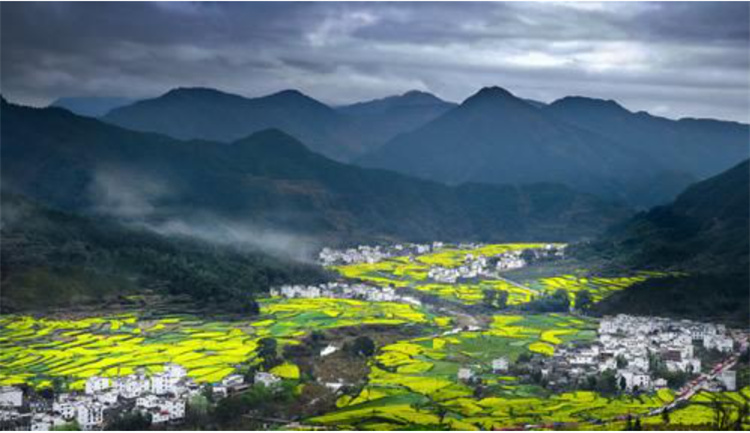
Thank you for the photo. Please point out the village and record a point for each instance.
(162, 397)
(473, 265)
(338, 290)
(373, 254)
(480, 266)
(639, 354)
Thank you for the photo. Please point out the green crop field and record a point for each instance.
(37, 351)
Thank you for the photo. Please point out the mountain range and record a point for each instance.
(341, 133)
(592, 145)
(268, 186)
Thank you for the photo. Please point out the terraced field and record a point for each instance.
(405, 271)
(700, 412)
(37, 351)
(413, 384)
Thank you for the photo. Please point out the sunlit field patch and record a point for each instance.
(424, 371)
(412, 272)
(598, 287)
(36, 351)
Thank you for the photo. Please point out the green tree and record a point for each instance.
(268, 351)
(363, 346)
(496, 299)
(131, 421)
(583, 301)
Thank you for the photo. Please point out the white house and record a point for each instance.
(10, 396)
(159, 416)
(267, 379)
(721, 343)
(149, 401)
(133, 385)
(66, 409)
(90, 416)
(500, 365)
(328, 350)
(728, 378)
(635, 379)
(233, 380)
(175, 408)
(465, 374)
(96, 384)
(107, 397)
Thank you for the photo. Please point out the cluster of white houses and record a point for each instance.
(343, 291)
(505, 261)
(372, 254)
(477, 265)
(629, 345)
(162, 396)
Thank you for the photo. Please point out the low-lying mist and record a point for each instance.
(147, 201)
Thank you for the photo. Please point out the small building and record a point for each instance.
(133, 385)
(635, 379)
(500, 365)
(65, 409)
(721, 343)
(728, 379)
(159, 416)
(233, 380)
(107, 398)
(175, 408)
(328, 350)
(90, 416)
(266, 379)
(465, 374)
(96, 384)
(10, 396)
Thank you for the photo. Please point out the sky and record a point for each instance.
(674, 59)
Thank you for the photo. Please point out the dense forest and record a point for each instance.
(57, 259)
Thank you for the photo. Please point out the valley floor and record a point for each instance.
(462, 337)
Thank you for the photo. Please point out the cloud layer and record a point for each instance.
(672, 59)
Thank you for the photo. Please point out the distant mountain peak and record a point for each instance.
(491, 94)
(180, 93)
(415, 92)
(289, 94)
(419, 96)
(493, 91)
(586, 102)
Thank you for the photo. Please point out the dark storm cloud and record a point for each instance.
(674, 59)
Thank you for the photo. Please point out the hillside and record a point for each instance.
(383, 119)
(591, 145)
(695, 148)
(269, 186)
(704, 233)
(57, 259)
(91, 106)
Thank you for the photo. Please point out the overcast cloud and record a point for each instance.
(672, 59)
